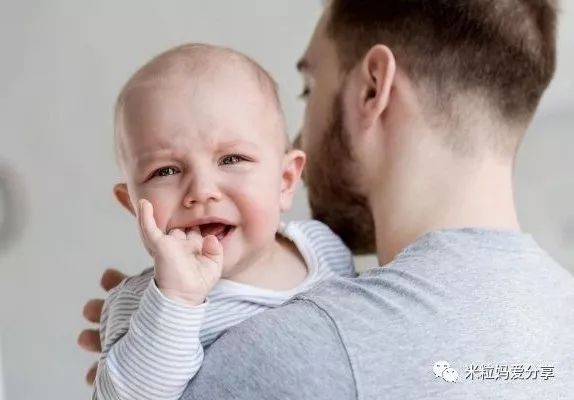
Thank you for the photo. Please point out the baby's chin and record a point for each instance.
(231, 270)
(237, 260)
(241, 255)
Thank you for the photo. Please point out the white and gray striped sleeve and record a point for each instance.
(329, 248)
(151, 346)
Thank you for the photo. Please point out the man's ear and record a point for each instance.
(293, 163)
(377, 74)
(123, 197)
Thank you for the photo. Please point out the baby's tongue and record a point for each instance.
(212, 229)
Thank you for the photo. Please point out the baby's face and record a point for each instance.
(209, 154)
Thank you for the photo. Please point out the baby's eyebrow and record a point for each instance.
(239, 143)
(148, 156)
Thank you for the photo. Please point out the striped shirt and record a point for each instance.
(152, 347)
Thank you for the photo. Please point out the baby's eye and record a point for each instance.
(231, 159)
(165, 171)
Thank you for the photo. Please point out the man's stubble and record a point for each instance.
(334, 197)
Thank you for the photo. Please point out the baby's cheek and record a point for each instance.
(161, 217)
(261, 219)
(161, 209)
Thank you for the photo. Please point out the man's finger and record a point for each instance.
(91, 375)
(93, 310)
(89, 340)
(111, 278)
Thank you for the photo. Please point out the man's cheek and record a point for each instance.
(315, 121)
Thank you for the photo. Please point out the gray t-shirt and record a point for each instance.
(492, 304)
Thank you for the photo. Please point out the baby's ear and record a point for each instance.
(293, 163)
(123, 197)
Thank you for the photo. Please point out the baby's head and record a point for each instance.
(200, 134)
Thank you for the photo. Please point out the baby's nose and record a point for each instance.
(201, 191)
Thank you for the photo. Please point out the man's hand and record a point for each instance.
(187, 265)
(89, 339)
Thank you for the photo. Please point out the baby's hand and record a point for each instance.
(187, 266)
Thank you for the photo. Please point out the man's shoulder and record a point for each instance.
(463, 304)
(298, 317)
(292, 351)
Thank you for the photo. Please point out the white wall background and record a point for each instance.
(62, 63)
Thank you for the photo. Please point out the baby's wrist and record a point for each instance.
(182, 298)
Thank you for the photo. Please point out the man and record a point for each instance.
(428, 102)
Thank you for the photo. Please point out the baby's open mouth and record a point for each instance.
(217, 229)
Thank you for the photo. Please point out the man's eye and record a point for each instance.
(165, 171)
(231, 159)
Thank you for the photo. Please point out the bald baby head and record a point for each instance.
(201, 68)
(200, 135)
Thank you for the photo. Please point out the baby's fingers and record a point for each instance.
(177, 233)
(194, 233)
(195, 238)
(212, 249)
(150, 232)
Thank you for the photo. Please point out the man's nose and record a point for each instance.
(201, 191)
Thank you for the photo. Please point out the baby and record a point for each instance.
(202, 143)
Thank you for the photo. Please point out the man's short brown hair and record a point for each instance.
(505, 49)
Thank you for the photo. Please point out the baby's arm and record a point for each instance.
(150, 345)
(159, 351)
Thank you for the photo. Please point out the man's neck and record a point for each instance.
(464, 193)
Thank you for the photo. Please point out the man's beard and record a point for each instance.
(332, 186)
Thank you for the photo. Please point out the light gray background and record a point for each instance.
(63, 62)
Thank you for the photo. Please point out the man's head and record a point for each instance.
(200, 134)
(389, 70)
